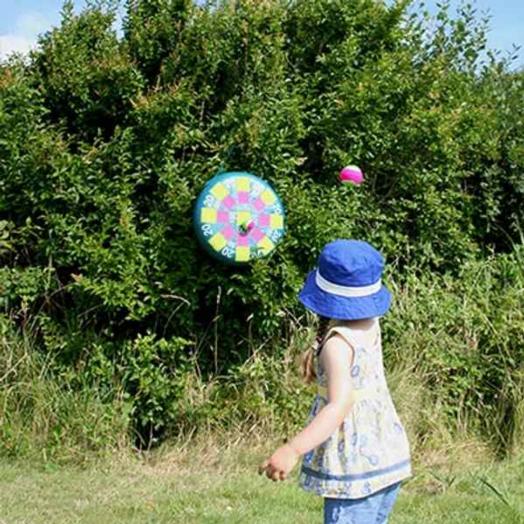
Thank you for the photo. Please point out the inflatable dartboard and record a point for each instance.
(238, 217)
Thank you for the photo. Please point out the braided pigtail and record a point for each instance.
(307, 364)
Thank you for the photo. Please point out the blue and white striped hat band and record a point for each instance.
(346, 291)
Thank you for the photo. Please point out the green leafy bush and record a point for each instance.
(463, 338)
(106, 141)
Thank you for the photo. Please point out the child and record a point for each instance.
(355, 450)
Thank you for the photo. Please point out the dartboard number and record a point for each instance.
(209, 201)
(227, 252)
(207, 230)
(275, 235)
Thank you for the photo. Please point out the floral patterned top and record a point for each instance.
(369, 451)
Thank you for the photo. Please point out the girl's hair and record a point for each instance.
(307, 366)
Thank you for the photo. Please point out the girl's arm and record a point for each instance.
(336, 357)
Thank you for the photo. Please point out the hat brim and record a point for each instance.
(343, 308)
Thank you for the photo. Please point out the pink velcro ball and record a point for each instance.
(352, 174)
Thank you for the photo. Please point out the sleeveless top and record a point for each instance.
(369, 450)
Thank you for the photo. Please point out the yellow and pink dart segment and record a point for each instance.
(238, 217)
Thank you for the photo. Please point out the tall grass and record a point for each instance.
(463, 337)
(454, 353)
(43, 417)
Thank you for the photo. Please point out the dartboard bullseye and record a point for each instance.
(238, 217)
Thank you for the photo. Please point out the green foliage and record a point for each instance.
(154, 374)
(44, 415)
(453, 351)
(463, 337)
(105, 143)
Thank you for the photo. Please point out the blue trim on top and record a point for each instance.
(357, 476)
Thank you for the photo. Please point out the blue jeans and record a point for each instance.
(373, 509)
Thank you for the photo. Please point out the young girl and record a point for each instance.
(354, 447)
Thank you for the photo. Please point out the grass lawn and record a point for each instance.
(222, 485)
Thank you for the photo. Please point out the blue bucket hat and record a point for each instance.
(347, 284)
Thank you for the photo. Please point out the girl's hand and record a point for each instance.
(278, 466)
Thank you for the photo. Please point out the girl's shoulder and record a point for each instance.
(362, 337)
(335, 344)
